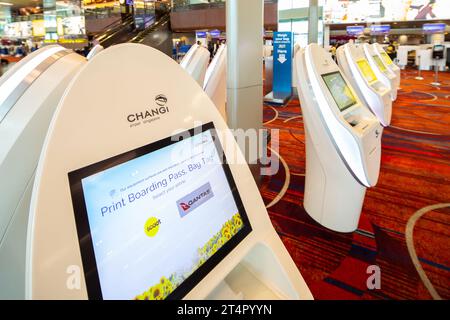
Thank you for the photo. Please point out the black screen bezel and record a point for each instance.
(82, 223)
(329, 89)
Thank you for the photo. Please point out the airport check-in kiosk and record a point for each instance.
(131, 192)
(389, 63)
(195, 62)
(343, 142)
(29, 94)
(362, 78)
(382, 72)
(215, 84)
(438, 52)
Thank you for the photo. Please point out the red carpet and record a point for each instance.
(415, 174)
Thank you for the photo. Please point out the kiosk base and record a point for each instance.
(333, 198)
(277, 98)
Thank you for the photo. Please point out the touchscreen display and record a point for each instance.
(339, 89)
(154, 221)
(386, 58)
(366, 70)
(379, 63)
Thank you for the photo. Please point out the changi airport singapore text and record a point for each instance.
(174, 177)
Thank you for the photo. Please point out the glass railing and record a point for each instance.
(184, 5)
(102, 13)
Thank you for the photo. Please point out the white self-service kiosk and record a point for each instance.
(215, 84)
(343, 142)
(382, 72)
(372, 92)
(146, 195)
(195, 62)
(29, 94)
(388, 63)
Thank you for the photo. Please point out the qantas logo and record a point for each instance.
(195, 199)
(185, 206)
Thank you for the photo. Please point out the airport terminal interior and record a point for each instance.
(225, 150)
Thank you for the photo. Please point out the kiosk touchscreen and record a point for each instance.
(29, 94)
(388, 63)
(364, 81)
(385, 75)
(343, 142)
(195, 62)
(147, 196)
(215, 84)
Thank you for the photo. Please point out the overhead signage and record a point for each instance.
(355, 30)
(215, 33)
(380, 29)
(434, 27)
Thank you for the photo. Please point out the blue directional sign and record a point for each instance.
(355, 30)
(380, 29)
(282, 63)
(434, 27)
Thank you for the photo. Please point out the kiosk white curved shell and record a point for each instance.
(131, 192)
(29, 94)
(195, 62)
(343, 142)
(383, 73)
(388, 63)
(373, 93)
(215, 84)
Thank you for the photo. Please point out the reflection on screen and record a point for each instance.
(339, 89)
(379, 63)
(386, 58)
(366, 70)
(157, 218)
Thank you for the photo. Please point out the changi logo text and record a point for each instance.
(161, 100)
(194, 199)
(150, 115)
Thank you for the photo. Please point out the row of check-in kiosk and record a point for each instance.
(121, 180)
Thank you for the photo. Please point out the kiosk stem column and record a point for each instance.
(245, 65)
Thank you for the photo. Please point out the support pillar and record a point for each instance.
(245, 23)
(313, 21)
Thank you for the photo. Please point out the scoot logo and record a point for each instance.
(151, 227)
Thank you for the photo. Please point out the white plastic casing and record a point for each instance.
(373, 93)
(387, 77)
(195, 62)
(343, 149)
(90, 128)
(215, 84)
(31, 104)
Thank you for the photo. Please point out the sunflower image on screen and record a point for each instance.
(166, 286)
(339, 89)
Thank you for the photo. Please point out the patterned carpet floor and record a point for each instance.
(415, 176)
